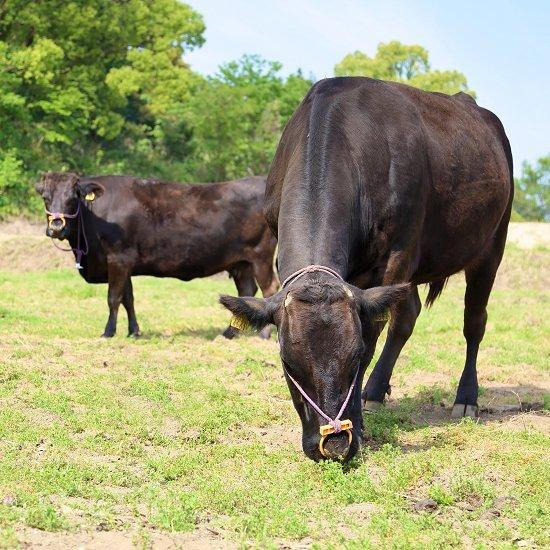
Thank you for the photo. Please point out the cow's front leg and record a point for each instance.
(118, 274)
(128, 303)
(401, 327)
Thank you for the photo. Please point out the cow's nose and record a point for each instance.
(336, 446)
(56, 224)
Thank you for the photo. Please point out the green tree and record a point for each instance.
(237, 116)
(83, 80)
(403, 63)
(532, 191)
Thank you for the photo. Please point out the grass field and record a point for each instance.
(184, 439)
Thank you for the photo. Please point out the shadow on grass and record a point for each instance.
(432, 407)
(206, 333)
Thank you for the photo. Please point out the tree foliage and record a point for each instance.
(237, 117)
(102, 86)
(532, 191)
(76, 76)
(403, 63)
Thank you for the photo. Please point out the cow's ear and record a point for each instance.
(251, 313)
(375, 303)
(89, 190)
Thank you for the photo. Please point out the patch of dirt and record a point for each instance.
(530, 272)
(303, 544)
(362, 511)
(273, 437)
(31, 251)
(529, 234)
(532, 421)
(509, 402)
(23, 228)
(200, 539)
(25, 247)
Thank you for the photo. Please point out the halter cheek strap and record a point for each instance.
(78, 251)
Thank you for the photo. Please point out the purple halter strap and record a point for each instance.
(334, 422)
(310, 269)
(80, 226)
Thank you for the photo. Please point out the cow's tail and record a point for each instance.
(436, 288)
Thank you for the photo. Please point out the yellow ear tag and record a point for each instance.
(239, 322)
(90, 196)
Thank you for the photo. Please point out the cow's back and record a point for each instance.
(176, 230)
(433, 172)
(470, 179)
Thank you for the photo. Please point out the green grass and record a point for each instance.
(182, 429)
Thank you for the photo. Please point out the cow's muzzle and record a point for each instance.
(56, 222)
(336, 446)
(56, 225)
(340, 447)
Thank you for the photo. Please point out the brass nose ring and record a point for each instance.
(51, 219)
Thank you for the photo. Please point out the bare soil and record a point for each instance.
(25, 247)
(200, 539)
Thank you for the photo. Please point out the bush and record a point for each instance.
(16, 193)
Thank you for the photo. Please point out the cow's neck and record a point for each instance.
(316, 226)
(72, 236)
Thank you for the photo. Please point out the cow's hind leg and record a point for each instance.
(401, 328)
(479, 283)
(128, 303)
(243, 275)
(117, 276)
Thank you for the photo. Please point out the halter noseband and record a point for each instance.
(335, 425)
(52, 216)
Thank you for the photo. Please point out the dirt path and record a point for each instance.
(529, 234)
(24, 246)
(200, 539)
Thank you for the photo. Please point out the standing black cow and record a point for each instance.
(120, 226)
(388, 187)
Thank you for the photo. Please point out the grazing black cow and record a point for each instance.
(120, 226)
(388, 187)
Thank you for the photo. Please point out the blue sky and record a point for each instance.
(503, 47)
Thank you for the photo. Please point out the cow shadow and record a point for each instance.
(426, 408)
(205, 333)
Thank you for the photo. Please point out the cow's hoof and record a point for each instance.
(462, 411)
(136, 334)
(230, 332)
(107, 335)
(372, 406)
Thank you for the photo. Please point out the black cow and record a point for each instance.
(119, 226)
(390, 187)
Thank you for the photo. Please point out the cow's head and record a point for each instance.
(327, 332)
(61, 193)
